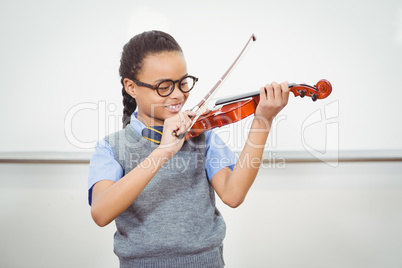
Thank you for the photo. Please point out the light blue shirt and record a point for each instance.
(103, 165)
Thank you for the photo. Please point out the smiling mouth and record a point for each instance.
(174, 106)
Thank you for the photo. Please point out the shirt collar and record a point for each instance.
(136, 124)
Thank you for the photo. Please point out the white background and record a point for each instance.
(58, 57)
(60, 88)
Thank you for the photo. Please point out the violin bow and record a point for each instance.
(202, 106)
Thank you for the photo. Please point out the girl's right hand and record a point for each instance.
(172, 128)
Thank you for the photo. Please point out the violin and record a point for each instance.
(233, 109)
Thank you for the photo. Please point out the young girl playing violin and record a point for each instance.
(159, 188)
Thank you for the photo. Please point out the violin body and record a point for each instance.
(233, 109)
(223, 115)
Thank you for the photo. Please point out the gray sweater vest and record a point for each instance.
(174, 221)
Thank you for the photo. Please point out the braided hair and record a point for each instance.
(131, 62)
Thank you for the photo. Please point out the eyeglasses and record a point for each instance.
(166, 87)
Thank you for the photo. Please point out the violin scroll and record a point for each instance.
(324, 87)
(319, 91)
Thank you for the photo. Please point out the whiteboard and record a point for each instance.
(60, 88)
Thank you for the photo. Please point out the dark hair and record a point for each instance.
(131, 62)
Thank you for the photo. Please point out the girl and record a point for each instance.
(161, 190)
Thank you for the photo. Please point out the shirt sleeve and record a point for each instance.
(103, 166)
(218, 154)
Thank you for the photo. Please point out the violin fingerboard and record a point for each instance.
(237, 98)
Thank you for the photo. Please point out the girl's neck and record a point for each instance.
(148, 122)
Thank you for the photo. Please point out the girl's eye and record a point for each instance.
(184, 82)
(165, 86)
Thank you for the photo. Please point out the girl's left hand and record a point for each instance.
(273, 98)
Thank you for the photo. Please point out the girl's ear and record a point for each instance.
(129, 86)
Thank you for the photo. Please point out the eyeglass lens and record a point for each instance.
(185, 85)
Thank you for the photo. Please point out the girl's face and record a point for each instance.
(152, 108)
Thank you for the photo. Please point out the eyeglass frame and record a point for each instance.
(156, 87)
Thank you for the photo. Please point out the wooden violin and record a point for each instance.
(233, 109)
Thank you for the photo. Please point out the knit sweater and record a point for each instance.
(174, 221)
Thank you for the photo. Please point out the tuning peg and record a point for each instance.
(302, 93)
(314, 97)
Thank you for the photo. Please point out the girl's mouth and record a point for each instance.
(174, 108)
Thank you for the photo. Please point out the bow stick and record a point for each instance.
(202, 106)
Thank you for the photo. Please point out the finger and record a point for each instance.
(177, 123)
(187, 119)
(188, 123)
(190, 113)
(190, 117)
(270, 92)
(285, 92)
(277, 90)
(181, 117)
(184, 123)
(263, 93)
